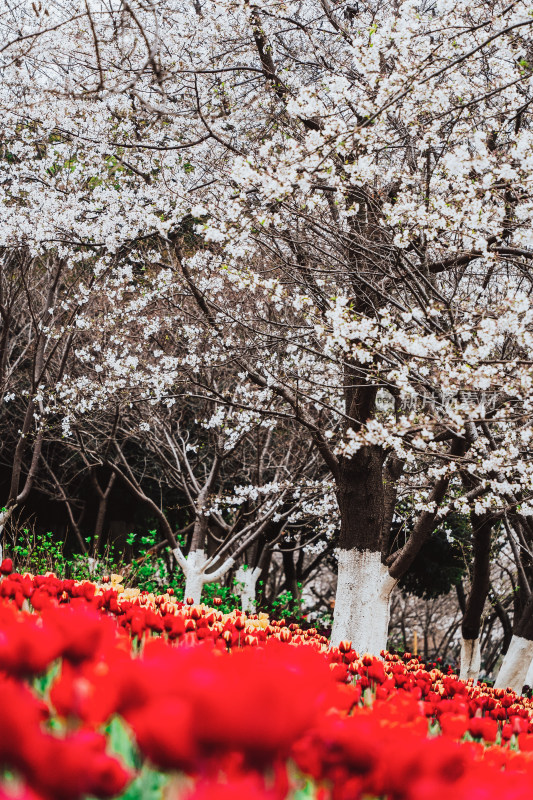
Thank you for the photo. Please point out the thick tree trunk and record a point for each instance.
(364, 585)
(362, 604)
(470, 659)
(365, 581)
(195, 567)
(194, 575)
(248, 578)
(517, 660)
(515, 664)
(477, 596)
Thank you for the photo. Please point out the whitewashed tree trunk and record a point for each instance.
(195, 567)
(248, 578)
(515, 665)
(195, 575)
(470, 659)
(362, 603)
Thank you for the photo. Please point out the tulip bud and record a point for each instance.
(190, 625)
(6, 567)
(250, 641)
(368, 660)
(227, 636)
(196, 612)
(170, 591)
(190, 601)
(239, 623)
(106, 579)
(217, 601)
(345, 646)
(285, 635)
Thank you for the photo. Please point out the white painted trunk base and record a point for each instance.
(248, 578)
(515, 665)
(470, 659)
(362, 603)
(195, 568)
(194, 575)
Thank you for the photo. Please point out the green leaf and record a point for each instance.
(121, 743)
(149, 785)
(307, 792)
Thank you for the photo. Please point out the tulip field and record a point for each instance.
(111, 692)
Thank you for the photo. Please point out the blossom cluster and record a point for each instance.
(237, 706)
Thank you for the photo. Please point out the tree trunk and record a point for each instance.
(515, 665)
(477, 596)
(518, 657)
(195, 570)
(291, 582)
(103, 499)
(248, 578)
(365, 581)
(470, 659)
(194, 575)
(362, 604)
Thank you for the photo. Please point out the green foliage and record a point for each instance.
(149, 567)
(41, 554)
(284, 605)
(149, 570)
(228, 595)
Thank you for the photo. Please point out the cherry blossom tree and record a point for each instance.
(381, 229)
(334, 200)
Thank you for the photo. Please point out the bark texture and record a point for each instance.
(479, 589)
(361, 500)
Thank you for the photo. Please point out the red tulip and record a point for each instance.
(6, 567)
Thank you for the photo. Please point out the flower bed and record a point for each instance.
(111, 692)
